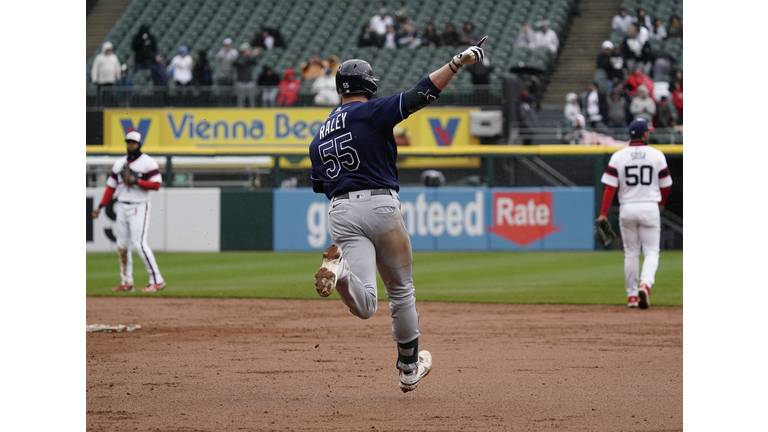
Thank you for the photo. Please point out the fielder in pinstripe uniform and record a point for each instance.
(641, 175)
(132, 211)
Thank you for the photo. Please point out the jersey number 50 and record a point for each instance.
(645, 176)
(338, 155)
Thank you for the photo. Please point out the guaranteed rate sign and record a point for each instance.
(456, 219)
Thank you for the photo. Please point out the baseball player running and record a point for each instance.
(132, 177)
(641, 175)
(353, 163)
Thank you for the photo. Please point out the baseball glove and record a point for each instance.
(129, 176)
(603, 232)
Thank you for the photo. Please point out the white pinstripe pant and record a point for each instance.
(131, 233)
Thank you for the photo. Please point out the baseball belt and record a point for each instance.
(380, 191)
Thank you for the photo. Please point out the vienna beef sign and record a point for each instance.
(523, 217)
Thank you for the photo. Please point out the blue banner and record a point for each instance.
(456, 219)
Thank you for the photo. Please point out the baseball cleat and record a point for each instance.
(123, 288)
(632, 301)
(154, 287)
(330, 272)
(410, 380)
(645, 296)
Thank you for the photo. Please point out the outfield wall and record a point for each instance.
(212, 219)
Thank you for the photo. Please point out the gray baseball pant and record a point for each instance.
(372, 235)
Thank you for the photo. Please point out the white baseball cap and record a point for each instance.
(608, 45)
(133, 136)
(227, 41)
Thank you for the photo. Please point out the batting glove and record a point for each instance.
(470, 55)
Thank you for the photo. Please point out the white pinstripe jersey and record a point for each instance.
(145, 167)
(638, 171)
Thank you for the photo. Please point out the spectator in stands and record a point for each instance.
(157, 71)
(546, 37)
(675, 27)
(202, 74)
(105, 70)
(470, 35)
(324, 89)
(268, 81)
(313, 67)
(289, 89)
(389, 40)
(225, 61)
(617, 109)
(636, 51)
(571, 108)
(144, 46)
(527, 117)
(618, 63)
(525, 38)
(676, 87)
(408, 38)
(662, 65)
(367, 38)
(638, 78)
(181, 66)
(577, 128)
(333, 62)
(124, 87)
(658, 31)
(532, 84)
(593, 104)
(380, 22)
(613, 67)
(666, 113)
(450, 36)
(245, 87)
(643, 106)
(481, 71)
(430, 37)
(159, 80)
(622, 21)
(268, 38)
(642, 19)
(400, 20)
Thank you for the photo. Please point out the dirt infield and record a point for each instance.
(293, 365)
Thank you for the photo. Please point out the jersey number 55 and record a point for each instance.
(338, 155)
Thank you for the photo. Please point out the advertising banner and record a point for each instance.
(189, 130)
(456, 219)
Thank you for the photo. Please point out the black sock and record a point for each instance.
(408, 355)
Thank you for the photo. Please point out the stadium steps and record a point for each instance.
(578, 55)
(100, 21)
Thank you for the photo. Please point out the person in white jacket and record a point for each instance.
(105, 70)
(181, 67)
(546, 37)
(324, 89)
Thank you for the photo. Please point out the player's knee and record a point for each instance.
(365, 314)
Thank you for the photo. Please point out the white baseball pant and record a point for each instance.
(131, 230)
(372, 235)
(640, 225)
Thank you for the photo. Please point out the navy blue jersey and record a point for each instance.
(355, 148)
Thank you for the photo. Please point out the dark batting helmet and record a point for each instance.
(355, 76)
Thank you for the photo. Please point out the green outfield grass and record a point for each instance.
(483, 277)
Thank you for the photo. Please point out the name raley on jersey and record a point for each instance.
(333, 124)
